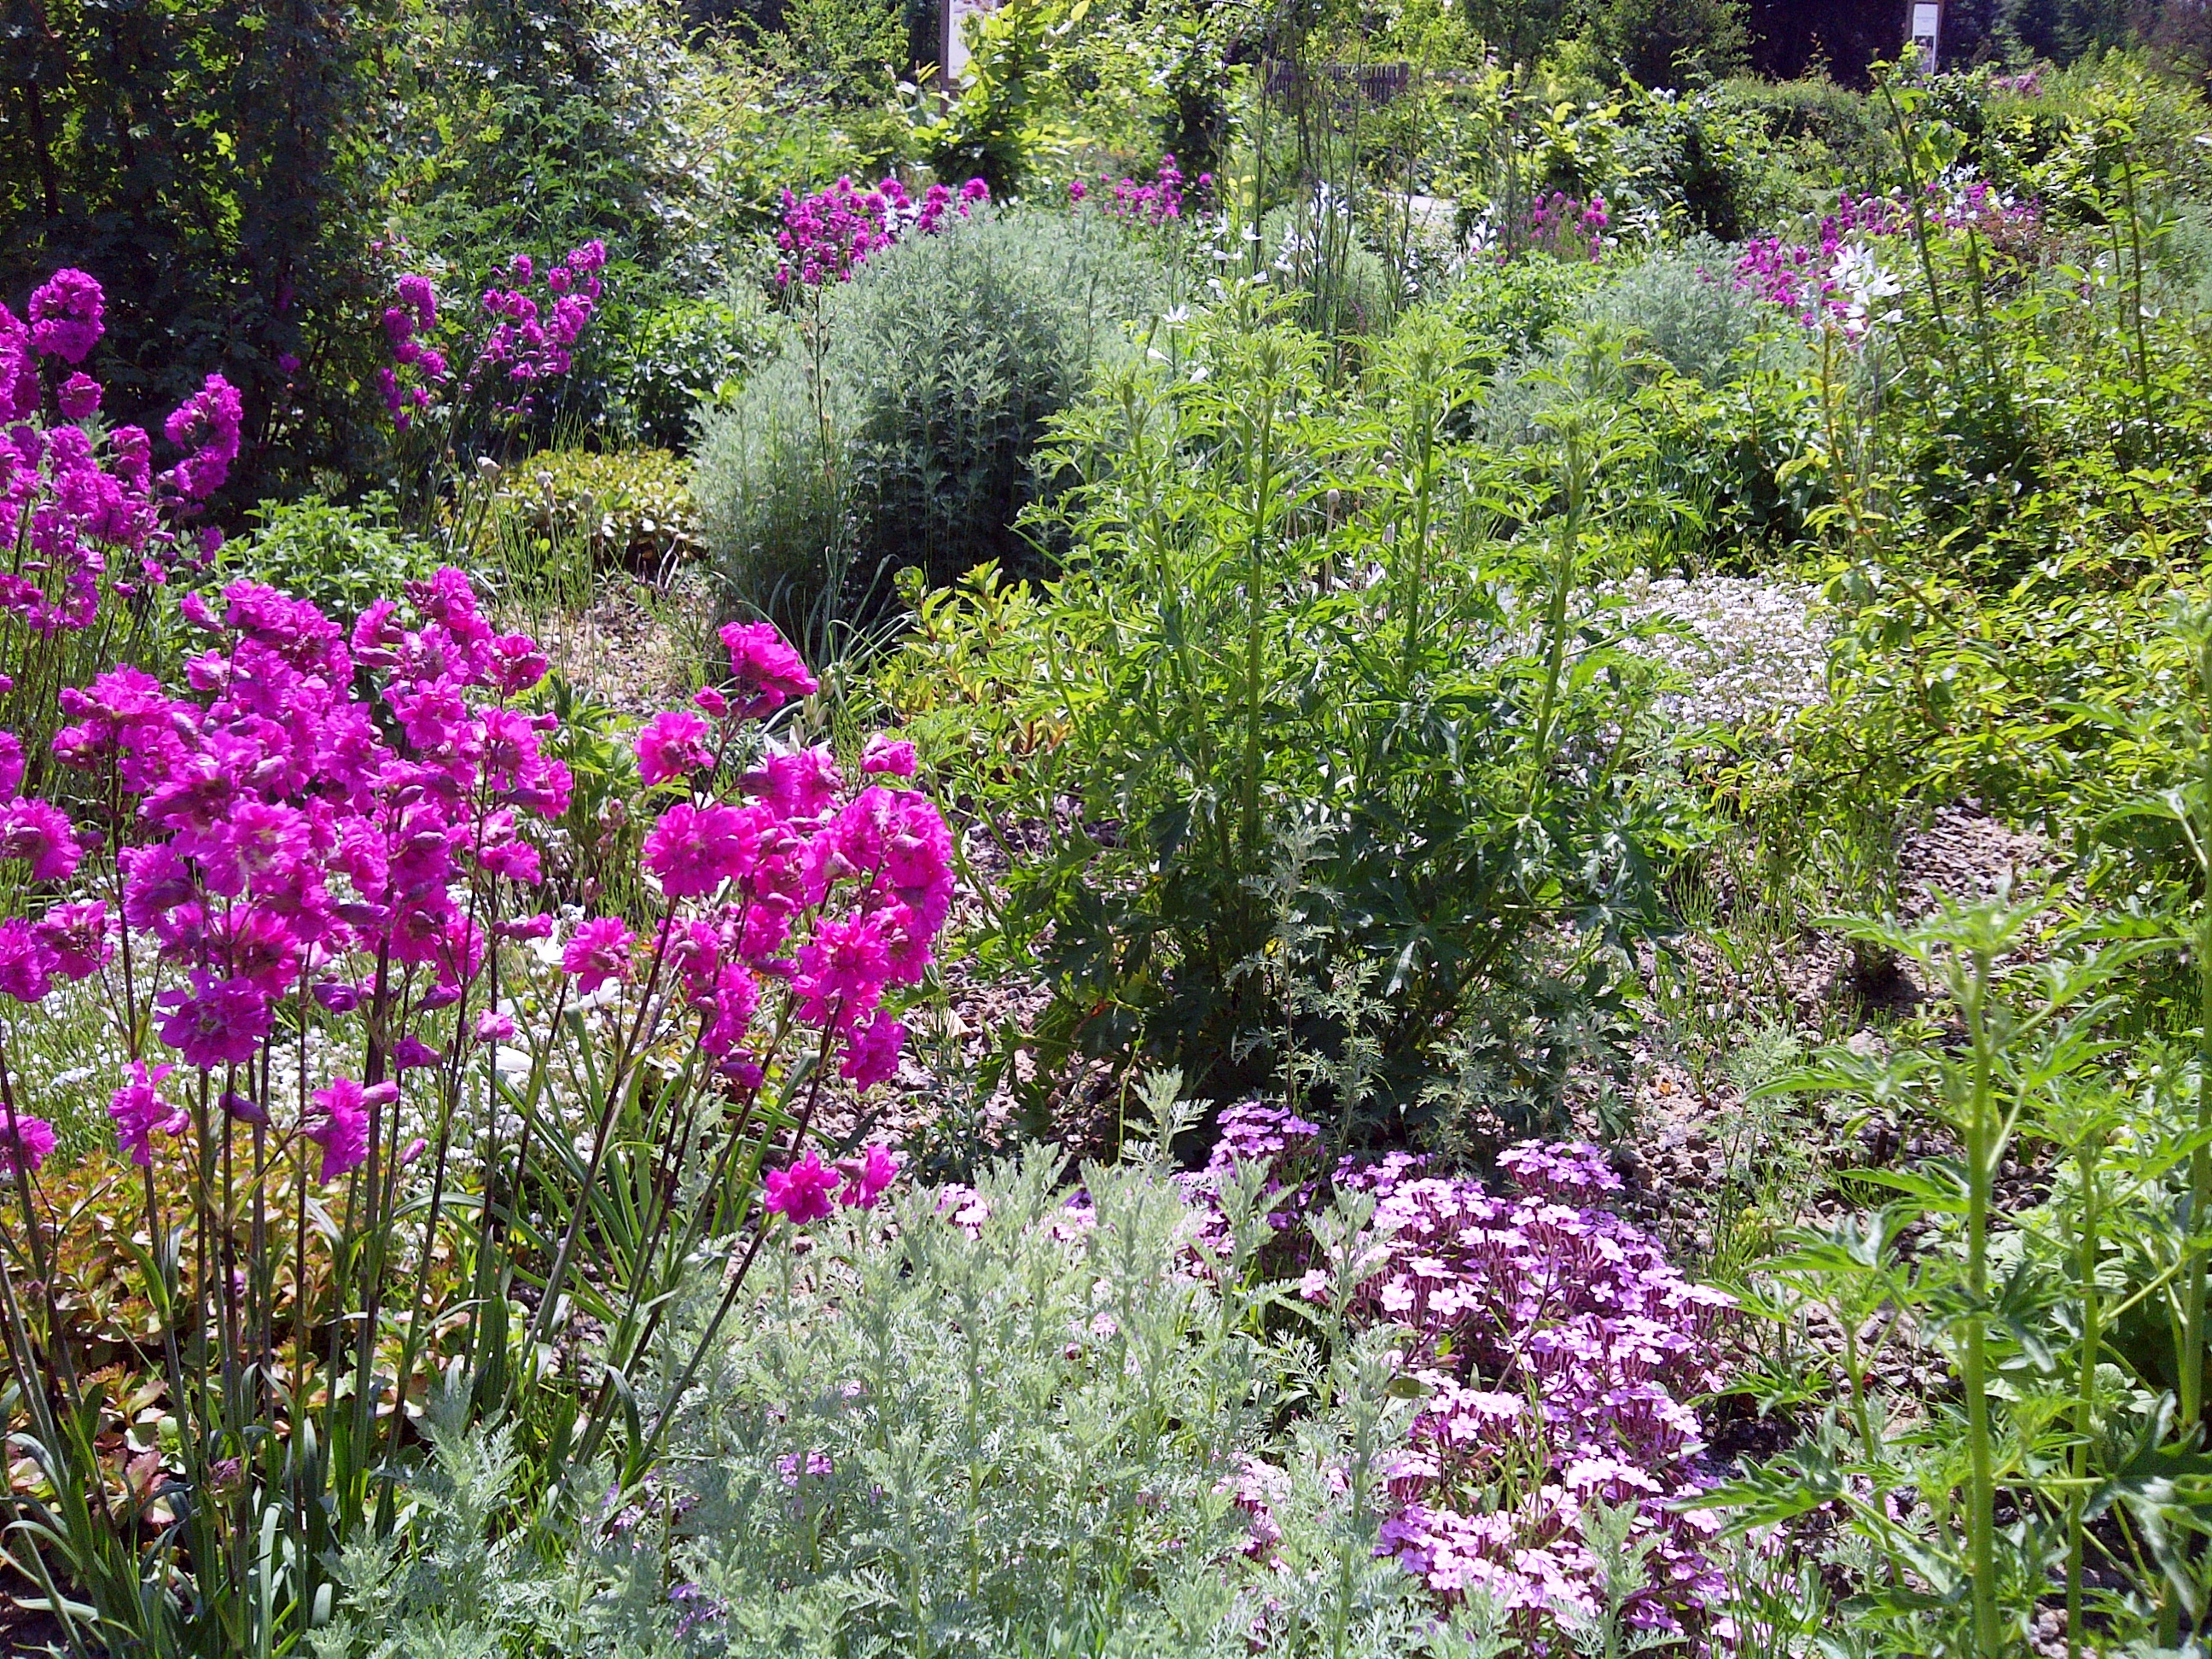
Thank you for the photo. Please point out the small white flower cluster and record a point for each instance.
(1755, 653)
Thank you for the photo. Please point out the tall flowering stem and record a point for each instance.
(304, 891)
(464, 381)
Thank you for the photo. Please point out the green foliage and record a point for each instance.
(1658, 43)
(1032, 1441)
(901, 429)
(669, 362)
(615, 509)
(1346, 792)
(212, 164)
(1684, 305)
(343, 559)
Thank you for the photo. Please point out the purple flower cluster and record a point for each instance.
(1557, 1347)
(1566, 227)
(73, 499)
(829, 236)
(1814, 285)
(279, 829)
(1124, 198)
(528, 336)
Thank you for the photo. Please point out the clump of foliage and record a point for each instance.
(1358, 795)
(340, 559)
(901, 428)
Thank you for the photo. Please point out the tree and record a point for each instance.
(209, 161)
(1660, 42)
(1522, 31)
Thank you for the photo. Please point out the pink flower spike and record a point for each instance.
(339, 1125)
(768, 672)
(887, 754)
(140, 1113)
(801, 1193)
(65, 315)
(598, 951)
(671, 743)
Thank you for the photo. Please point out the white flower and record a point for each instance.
(1861, 281)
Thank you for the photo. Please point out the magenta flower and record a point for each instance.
(79, 397)
(801, 1193)
(208, 423)
(339, 1125)
(39, 833)
(24, 1143)
(11, 765)
(65, 315)
(841, 970)
(26, 967)
(886, 754)
(598, 951)
(693, 849)
(78, 938)
(140, 1113)
(768, 672)
(222, 1023)
(866, 1177)
(671, 743)
(871, 1053)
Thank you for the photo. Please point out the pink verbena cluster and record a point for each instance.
(829, 236)
(73, 498)
(527, 336)
(1558, 1348)
(1152, 203)
(1566, 227)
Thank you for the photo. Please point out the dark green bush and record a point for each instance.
(902, 431)
(665, 363)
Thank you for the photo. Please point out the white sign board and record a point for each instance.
(955, 56)
(1927, 24)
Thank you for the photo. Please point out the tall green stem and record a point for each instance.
(1981, 1161)
(2084, 1390)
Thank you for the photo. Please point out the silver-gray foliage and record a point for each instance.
(904, 435)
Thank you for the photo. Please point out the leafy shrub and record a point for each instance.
(1349, 821)
(614, 509)
(668, 364)
(1821, 131)
(903, 430)
(250, 256)
(340, 559)
(1685, 305)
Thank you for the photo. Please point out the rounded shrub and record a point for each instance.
(900, 427)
